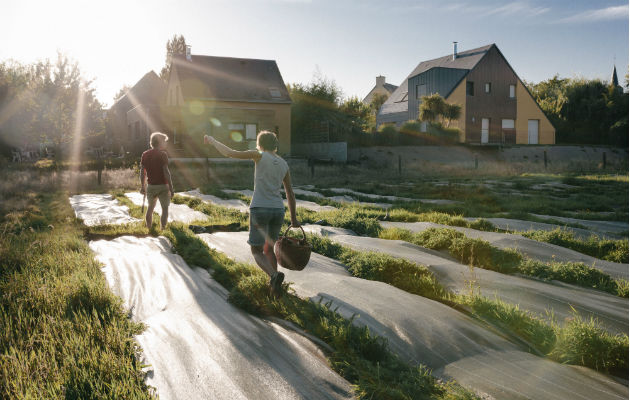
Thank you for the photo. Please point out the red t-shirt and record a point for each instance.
(153, 162)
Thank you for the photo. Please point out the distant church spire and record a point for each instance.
(613, 80)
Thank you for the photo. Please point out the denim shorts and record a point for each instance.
(264, 225)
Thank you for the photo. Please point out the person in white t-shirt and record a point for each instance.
(266, 211)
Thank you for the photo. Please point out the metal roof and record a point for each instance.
(231, 79)
(464, 60)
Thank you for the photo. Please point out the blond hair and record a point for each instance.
(267, 140)
(156, 137)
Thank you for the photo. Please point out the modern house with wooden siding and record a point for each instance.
(496, 105)
(230, 98)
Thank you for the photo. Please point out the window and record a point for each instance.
(240, 132)
(488, 87)
(470, 88)
(274, 92)
(512, 91)
(421, 90)
(250, 132)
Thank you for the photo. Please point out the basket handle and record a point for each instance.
(303, 234)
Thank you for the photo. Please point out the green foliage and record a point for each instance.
(583, 342)
(398, 272)
(575, 273)
(482, 254)
(64, 333)
(584, 111)
(605, 249)
(360, 220)
(44, 100)
(174, 46)
(435, 109)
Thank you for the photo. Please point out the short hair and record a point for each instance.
(267, 140)
(155, 139)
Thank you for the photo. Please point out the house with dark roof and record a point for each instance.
(381, 87)
(138, 113)
(229, 98)
(496, 106)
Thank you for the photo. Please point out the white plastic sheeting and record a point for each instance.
(542, 251)
(424, 331)
(236, 204)
(522, 226)
(176, 212)
(392, 198)
(100, 209)
(530, 294)
(198, 345)
(309, 205)
(612, 228)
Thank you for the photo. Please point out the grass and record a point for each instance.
(482, 254)
(405, 275)
(605, 249)
(544, 337)
(63, 333)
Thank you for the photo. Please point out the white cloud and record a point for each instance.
(602, 14)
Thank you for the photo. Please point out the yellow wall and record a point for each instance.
(526, 108)
(458, 96)
(282, 118)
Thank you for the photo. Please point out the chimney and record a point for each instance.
(454, 50)
(188, 55)
(380, 81)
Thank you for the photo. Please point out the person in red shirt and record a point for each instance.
(154, 164)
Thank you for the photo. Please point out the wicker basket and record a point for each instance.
(292, 253)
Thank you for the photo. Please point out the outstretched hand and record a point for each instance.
(208, 139)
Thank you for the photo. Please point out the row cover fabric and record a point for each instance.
(198, 345)
(423, 331)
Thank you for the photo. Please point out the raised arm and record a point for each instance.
(228, 152)
(288, 189)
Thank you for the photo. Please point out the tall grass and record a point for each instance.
(545, 337)
(605, 249)
(482, 254)
(63, 333)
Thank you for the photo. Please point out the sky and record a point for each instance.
(348, 41)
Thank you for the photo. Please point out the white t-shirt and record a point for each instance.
(268, 176)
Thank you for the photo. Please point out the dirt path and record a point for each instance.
(530, 294)
(198, 345)
(542, 251)
(425, 331)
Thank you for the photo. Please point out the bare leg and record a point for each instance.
(149, 215)
(164, 218)
(271, 256)
(262, 260)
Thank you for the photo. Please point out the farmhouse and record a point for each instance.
(496, 105)
(381, 87)
(138, 113)
(229, 98)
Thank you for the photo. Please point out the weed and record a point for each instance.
(605, 249)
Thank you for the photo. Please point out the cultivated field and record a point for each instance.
(431, 282)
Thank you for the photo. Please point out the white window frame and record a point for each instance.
(488, 87)
(512, 91)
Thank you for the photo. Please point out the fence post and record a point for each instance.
(399, 165)
(207, 170)
(545, 157)
(99, 167)
(476, 162)
(311, 163)
(604, 160)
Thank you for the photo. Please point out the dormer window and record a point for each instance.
(275, 93)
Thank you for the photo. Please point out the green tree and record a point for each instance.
(123, 90)
(377, 101)
(46, 102)
(584, 111)
(432, 108)
(451, 112)
(175, 46)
